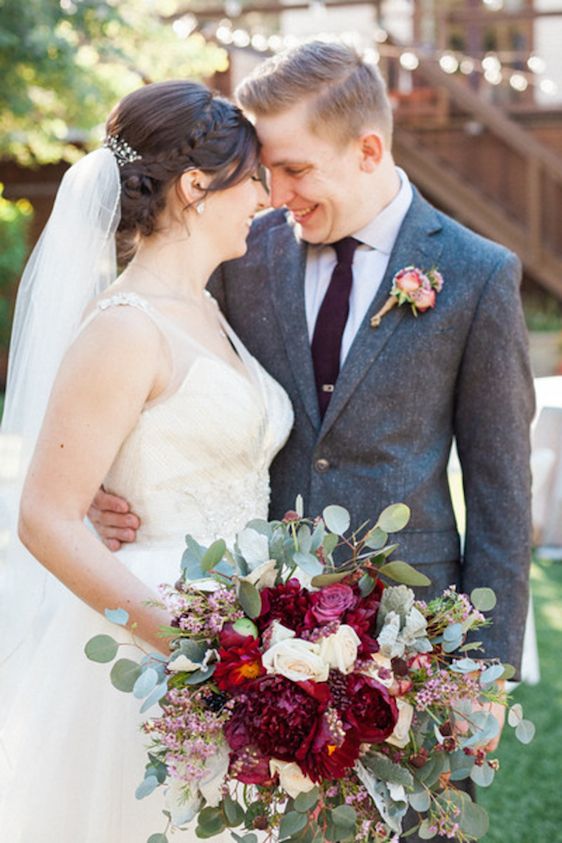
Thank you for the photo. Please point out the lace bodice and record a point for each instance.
(197, 462)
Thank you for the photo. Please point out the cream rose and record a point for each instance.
(291, 778)
(400, 736)
(297, 660)
(339, 650)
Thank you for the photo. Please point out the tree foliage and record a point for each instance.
(64, 64)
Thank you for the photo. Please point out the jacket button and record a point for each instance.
(322, 465)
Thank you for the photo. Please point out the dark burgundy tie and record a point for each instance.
(330, 323)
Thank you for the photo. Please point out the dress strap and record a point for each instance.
(123, 299)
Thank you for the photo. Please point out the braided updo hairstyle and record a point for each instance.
(176, 126)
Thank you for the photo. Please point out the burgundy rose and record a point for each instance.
(287, 602)
(362, 618)
(329, 604)
(371, 710)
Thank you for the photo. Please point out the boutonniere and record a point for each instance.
(411, 286)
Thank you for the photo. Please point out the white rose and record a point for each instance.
(400, 736)
(280, 633)
(291, 778)
(339, 650)
(263, 576)
(297, 660)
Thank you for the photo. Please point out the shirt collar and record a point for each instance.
(381, 232)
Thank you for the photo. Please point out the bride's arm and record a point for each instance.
(106, 377)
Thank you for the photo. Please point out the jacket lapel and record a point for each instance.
(414, 246)
(286, 261)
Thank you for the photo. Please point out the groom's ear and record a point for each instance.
(371, 150)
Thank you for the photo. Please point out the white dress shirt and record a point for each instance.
(369, 265)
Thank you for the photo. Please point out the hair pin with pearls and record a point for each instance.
(124, 154)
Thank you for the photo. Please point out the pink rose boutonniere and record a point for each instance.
(411, 286)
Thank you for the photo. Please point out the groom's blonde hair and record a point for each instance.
(345, 94)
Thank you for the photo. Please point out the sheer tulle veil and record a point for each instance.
(74, 260)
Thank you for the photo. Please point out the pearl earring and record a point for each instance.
(200, 207)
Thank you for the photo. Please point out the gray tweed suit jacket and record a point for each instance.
(406, 389)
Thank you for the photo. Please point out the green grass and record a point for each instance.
(525, 800)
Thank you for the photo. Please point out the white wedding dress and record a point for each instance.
(196, 462)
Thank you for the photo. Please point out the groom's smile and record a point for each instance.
(318, 178)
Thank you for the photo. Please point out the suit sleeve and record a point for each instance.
(493, 412)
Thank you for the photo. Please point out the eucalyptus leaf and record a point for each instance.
(317, 537)
(464, 666)
(146, 787)
(508, 672)
(156, 695)
(191, 558)
(394, 518)
(308, 563)
(260, 525)
(515, 715)
(452, 632)
(495, 671)
(430, 772)
(250, 600)
(474, 820)
(233, 811)
(426, 830)
(118, 616)
(157, 838)
(292, 823)
(101, 648)
(461, 765)
(344, 818)
(193, 650)
(483, 599)
(525, 731)
(419, 800)
(403, 573)
(213, 555)
(330, 543)
(376, 538)
(124, 674)
(366, 585)
(482, 776)
(305, 802)
(328, 579)
(337, 519)
(304, 538)
(201, 675)
(210, 821)
(146, 683)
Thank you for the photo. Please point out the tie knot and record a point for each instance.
(345, 249)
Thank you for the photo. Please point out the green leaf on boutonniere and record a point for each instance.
(403, 573)
(483, 599)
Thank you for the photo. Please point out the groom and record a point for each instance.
(376, 409)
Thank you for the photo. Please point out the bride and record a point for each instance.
(142, 386)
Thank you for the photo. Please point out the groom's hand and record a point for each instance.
(113, 520)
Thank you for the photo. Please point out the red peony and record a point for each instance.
(277, 716)
(239, 664)
(324, 756)
(329, 604)
(370, 709)
(287, 602)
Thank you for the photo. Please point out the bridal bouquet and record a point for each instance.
(310, 701)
